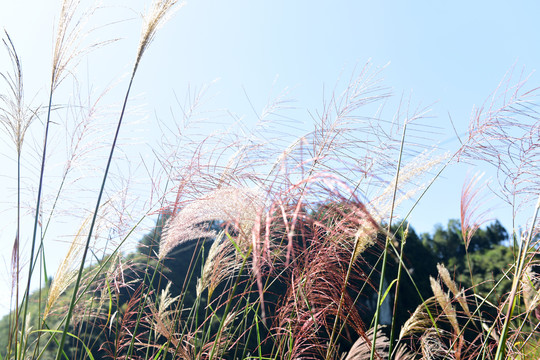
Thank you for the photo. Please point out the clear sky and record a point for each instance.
(449, 56)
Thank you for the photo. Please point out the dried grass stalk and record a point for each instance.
(419, 320)
(433, 348)
(458, 294)
(444, 301)
(361, 349)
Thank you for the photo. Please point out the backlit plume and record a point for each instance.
(233, 205)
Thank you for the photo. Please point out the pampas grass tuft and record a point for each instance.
(236, 206)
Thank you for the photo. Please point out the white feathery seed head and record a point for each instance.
(381, 206)
(364, 237)
(238, 206)
(159, 13)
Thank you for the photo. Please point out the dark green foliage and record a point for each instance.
(487, 268)
(480, 266)
(485, 258)
(494, 234)
(420, 263)
(448, 247)
(447, 244)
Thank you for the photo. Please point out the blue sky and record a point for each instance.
(446, 55)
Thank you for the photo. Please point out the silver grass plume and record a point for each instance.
(419, 321)
(163, 312)
(402, 353)
(239, 206)
(381, 206)
(433, 348)
(69, 35)
(444, 301)
(364, 237)
(164, 322)
(157, 16)
(166, 319)
(458, 294)
(530, 283)
(15, 115)
(223, 262)
(67, 271)
(361, 349)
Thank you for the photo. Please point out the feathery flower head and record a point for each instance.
(444, 301)
(472, 216)
(237, 206)
(408, 184)
(159, 14)
(445, 277)
(15, 115)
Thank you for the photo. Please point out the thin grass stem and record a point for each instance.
(511, 301)
(385, 251)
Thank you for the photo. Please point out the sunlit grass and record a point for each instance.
(271, 250)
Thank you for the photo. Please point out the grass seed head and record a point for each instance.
(237, 206)
(444, 301)
(458, 294)
(159, 13)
